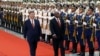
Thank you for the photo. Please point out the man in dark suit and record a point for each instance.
(32, 31)
(57, 28)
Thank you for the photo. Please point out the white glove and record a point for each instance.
(76, 21)
(94, 25)
(68, 21)
(84, 23)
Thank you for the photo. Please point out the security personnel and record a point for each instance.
(97, 15)
(79, 18)
(88, 29)
(71, 28)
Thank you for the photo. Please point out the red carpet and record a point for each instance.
(11, 45)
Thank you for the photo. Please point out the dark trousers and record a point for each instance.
(33, 46)
(81, 41)
(56, 44)
(67, 42)
(48, 38)
(74, 47)
(88, 33)
(98, 38)
(43, 37)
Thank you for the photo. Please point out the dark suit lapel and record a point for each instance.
(30, 22)
(61, 21)
(57, 22)
(35, 22)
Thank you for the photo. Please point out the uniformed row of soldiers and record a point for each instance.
(11, 17)
(82, 26)
(82, 23)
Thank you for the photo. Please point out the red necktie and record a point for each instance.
(59, 23)
(33, 23)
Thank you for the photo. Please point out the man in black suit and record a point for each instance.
(32, 31)
(57, 28)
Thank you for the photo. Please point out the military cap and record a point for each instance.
(92, 8)
(81, 6)
(73, 6)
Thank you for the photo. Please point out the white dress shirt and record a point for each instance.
(32, 22)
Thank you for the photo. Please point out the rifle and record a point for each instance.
(47, 22)
(92, 39)
(82, 36)
(42, 21)
(75, 32)
(67, 31)
(83, 31)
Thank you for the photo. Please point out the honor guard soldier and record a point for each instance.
(36, 10)
(52, 9)
(24, 13)
(1, 16)
(65, 17)
(97, 15)
(49, 17)
(7, 21)
(11, 17)
(20, 22)
(79, 18)
(40, 18)
(13, 26)
(62, 12)
(44, 22)
(9, 12)
(8, 25)
(4, 16)
(71, 28)
(14, 18)
(88, 29)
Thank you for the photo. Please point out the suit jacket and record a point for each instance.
(55, 29)
(30, 32)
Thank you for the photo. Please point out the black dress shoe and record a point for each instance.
(82, 54)
(98, 49)
(66, 48)
(73, 51)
